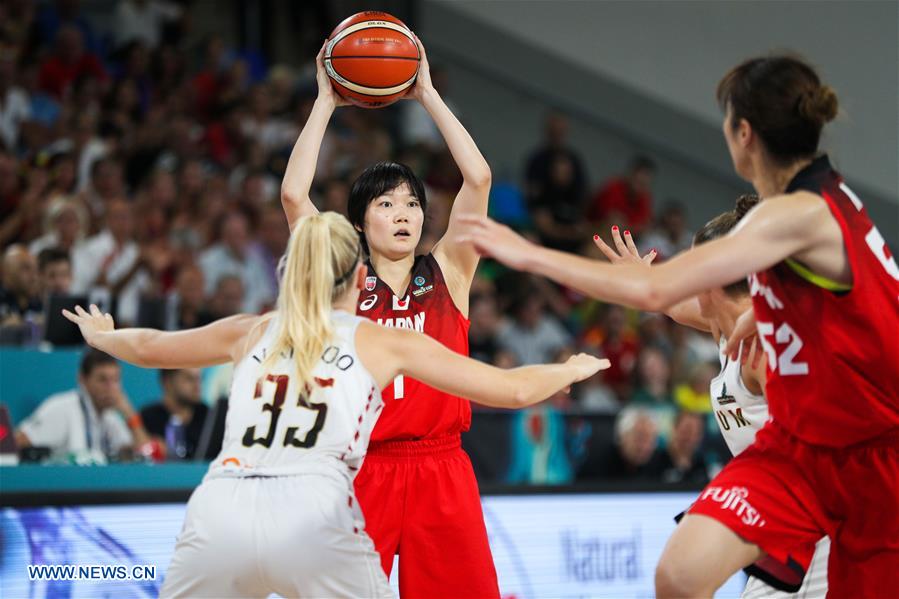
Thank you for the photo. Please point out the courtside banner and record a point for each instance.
(578, 545)
(590, 545)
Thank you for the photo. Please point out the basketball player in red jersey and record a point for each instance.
(825, 294)
(417, 488)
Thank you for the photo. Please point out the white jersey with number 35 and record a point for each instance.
(276, 426)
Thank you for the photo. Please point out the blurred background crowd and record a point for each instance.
(140, 169)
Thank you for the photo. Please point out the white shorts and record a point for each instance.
(296, 536)
(814, 585)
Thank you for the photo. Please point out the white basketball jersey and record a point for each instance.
(739, 412)
(275, 427)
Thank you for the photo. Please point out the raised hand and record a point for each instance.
(326, 91)
(491, 239)
(91, 323)
(627, 250)
(423, 80)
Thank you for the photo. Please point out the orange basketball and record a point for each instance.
(372, 59)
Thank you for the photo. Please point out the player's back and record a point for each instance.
(413, 410)
(832, 350)
(276, 426)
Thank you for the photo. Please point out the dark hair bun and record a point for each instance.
(819, 105)
(745, 203)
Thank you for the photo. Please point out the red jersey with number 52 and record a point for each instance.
(833, 355)
(412, 410)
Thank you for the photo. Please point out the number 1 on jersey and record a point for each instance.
(398, 387)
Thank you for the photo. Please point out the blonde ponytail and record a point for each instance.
(321, 257)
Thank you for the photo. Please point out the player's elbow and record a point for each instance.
(653, 298)
(480, 178)
(521, 398)
(521, 394)
(143, 355)
(288, 197)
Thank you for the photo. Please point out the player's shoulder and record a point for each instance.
(791, 212)
(246, 330)
(797, 203)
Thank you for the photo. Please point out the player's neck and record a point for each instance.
(347, 302)
(773, 179)
(395, 273)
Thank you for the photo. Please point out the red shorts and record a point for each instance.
(420, 500)
(783, 495)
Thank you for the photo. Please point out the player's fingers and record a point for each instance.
(421, 46)
(732, 348)
(69, 315)
(95, 311)
(604, 364)
(757, 357)
(650, 256)
(631, 246)
(81, 311)
(605, 249)
(616, 239)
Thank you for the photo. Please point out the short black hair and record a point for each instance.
(50, 255)
(375, 181)
(93, 358)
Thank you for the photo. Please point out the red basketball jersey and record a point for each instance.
(833, 355)
(412, 410)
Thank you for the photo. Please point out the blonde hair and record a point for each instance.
(318, 268)
(60, 204)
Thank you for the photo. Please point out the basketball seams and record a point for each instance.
(368, 56)
(367, 25)
(363, 89)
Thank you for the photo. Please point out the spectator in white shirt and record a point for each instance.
(110, 263)
(15, 105)
(142, 20)
(534, 336)
(89, 423)
(234, 255)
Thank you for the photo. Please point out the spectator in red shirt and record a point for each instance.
(627, 200)
(224, 136)
(68, 62)
(620, 345)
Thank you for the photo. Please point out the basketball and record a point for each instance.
(372, 59)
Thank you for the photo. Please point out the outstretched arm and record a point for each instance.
(304, 156)
(459, 259)
(388, 352)
(777, 229)
(216, 343)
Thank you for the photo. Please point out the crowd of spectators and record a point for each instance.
(140, 169)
